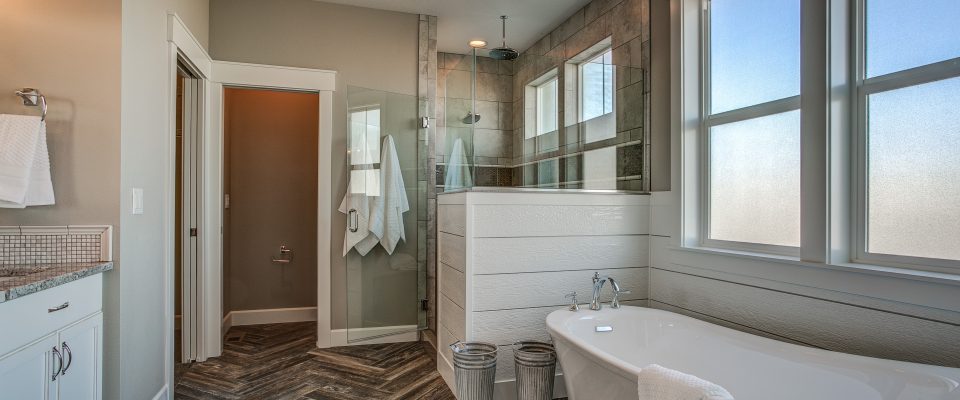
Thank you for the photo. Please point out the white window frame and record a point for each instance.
(532, 105)
(708, 121)
(833, 202)
(585, 58)
(864, 87)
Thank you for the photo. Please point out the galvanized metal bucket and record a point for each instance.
(475, 368)
(536, 366)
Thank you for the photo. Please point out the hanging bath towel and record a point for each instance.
(24, 162)
(458, 168)
(386, 215)
(363, 240)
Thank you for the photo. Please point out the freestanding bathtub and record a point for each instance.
(604, 365)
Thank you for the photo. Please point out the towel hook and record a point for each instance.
(31, 97)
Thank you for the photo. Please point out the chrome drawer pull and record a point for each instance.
(58, 308)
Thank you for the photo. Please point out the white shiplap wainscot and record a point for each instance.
(508, 258)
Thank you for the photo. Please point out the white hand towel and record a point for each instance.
(393, 197)
(659, 383)
(458, 168)
(24, 162)
(362, 239)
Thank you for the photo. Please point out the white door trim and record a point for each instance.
(185, 47)
(216, 74)
(323, 83)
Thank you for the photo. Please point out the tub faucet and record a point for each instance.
(598, 282)
(615, 303)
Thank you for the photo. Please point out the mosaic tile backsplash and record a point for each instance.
(23, 249)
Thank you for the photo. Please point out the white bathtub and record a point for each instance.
(604, 365)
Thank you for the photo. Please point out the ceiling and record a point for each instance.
(460, 21)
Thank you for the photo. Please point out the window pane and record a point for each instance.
(914, 171)
(547, 107)
(596, 98)
(754, 52)
(755, 180)
(906, 34)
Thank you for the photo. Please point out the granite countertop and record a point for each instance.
(20, 280)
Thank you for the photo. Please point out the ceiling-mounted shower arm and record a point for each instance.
(503, 33)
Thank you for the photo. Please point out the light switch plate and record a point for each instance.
(136, 205)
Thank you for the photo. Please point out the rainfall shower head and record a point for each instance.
(503, 52)
(471, 118)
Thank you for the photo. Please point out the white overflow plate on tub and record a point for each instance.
(604, 328)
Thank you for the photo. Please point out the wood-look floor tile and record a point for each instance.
(280, 361)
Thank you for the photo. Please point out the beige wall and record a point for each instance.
(196, 15)
(102, 65)
(134, 356)
(368, 48)
(71, 52)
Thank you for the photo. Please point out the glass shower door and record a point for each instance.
(386, 239)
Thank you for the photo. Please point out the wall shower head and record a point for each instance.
(471, 118)
(503, 52)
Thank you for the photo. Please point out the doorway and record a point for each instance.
(270, 205)
(187, 213)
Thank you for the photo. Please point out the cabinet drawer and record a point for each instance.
(28, 318)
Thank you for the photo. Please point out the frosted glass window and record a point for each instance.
(754, 52)
(365, 136)
(755, 180)
(596, 86)
(907, 34)
(913, 200)
(547, 106)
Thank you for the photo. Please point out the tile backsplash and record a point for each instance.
(37, 245)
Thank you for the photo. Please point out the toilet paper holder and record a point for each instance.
(286, 255)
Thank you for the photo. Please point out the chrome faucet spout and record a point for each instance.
(598, 282)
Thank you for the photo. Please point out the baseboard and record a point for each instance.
(162, 394)
(272, 316)
(339, 337)
(445, 368)
(225, 324)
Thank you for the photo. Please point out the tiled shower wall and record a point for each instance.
(426, 184)
(557, 159)
(490, 142)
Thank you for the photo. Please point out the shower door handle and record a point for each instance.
(353, 220)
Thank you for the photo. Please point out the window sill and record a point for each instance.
(851, 267)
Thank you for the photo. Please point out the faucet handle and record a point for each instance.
(575, 306)
(615, 303)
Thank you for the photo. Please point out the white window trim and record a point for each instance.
(832, 192)
(583, 59)
(708, 121)
(532, 104)
(865, 87)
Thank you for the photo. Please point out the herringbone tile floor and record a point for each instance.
(281, 361)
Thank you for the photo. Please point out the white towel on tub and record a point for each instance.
(24, 162)
(659, 383)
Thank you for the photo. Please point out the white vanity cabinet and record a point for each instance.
(49, 351)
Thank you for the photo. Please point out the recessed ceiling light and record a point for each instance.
(477, 44)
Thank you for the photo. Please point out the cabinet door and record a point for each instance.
(82, 361)
(27, 373)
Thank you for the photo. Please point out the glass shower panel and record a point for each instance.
(384, 288)
(455, 127)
